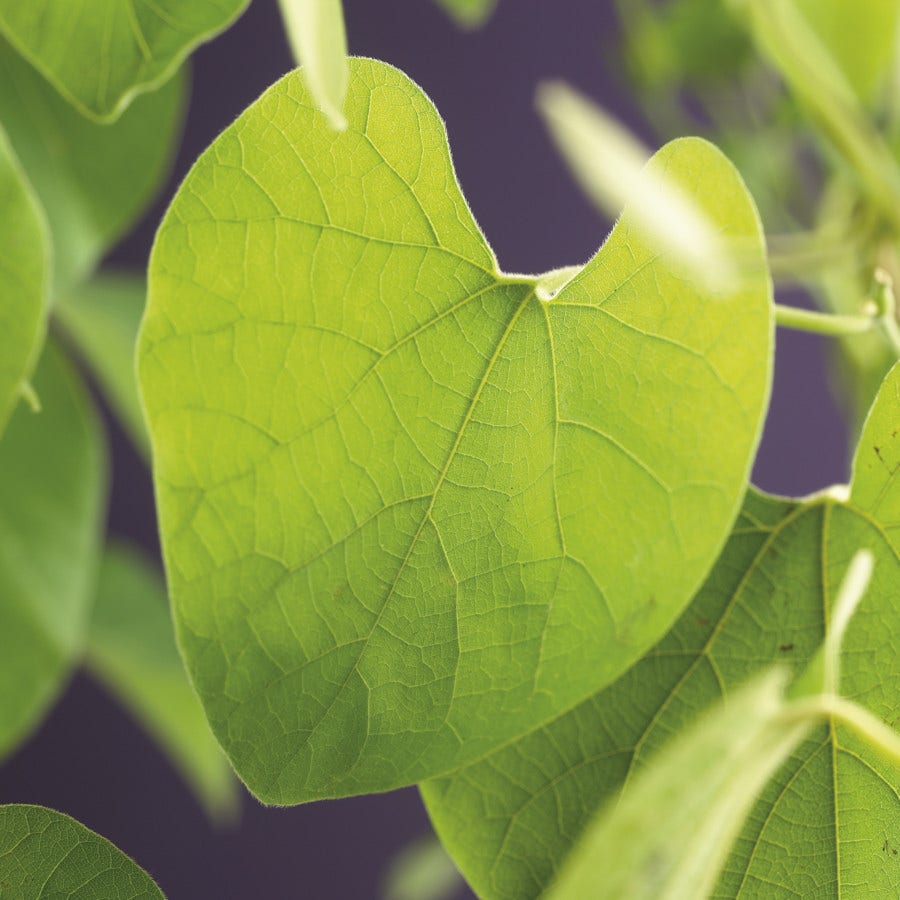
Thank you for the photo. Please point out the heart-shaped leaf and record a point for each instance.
(99, 54)
(409, 509)
(92, 180)
(24, 280)
(45, 854)
(828, 820)
(51, 503)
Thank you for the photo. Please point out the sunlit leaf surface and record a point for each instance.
(410, 510)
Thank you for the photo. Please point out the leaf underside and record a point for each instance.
(410, 511)
(99, 54)
(825, 825)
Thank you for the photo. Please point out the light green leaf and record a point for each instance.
(409, 510)
(102, 320)
(669, 835)
(131, 650)
(45, 854)
(92, 180)
(100, 54)
(51, 503)
(422, 871)
(24, 280)
(318, 38)
(469, 13)
(510, 820)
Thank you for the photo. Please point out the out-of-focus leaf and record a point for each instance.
(93, 181)
(422, 871)
(102, 319)
(131, 650)
(861, 38)
(469, 13)
(24, 280)
(686, 42)
(100, 54)
(52, 492)
(786, 38)
(318, 38)
(45, 854)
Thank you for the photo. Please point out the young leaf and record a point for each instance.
(669, 835)
(100, 55)
(44, 853)
(469, 13)
(510, 820)
(409, 510)
(51, 503)
(92, 180)
(131, 650)
(24, 280)
(102, 320)
(318, 38)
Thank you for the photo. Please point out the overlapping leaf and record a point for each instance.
(826, 822)
(409, 510)
(92, 180)
(51, 500)
(24, 279)
(44, 853)
(131, 650)
(99, 54)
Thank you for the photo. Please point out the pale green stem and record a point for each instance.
(823, 323)
(852, 715)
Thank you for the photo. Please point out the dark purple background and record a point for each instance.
(88, 759)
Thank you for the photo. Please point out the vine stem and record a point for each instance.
(880, 312)
(822, 323)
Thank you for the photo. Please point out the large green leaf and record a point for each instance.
(822, 824)
(92, 180)
(24, 280)
(51, 503)
(409, 509)
(131, 650)
(102, 319)
(45, 854)
(99, 54)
